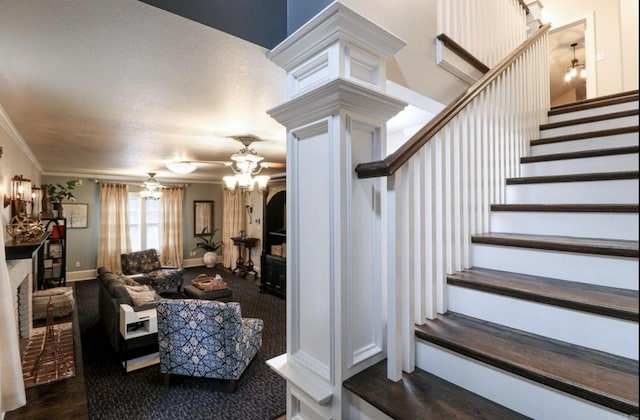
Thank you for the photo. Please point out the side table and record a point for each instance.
(243, 268)
(134, 325)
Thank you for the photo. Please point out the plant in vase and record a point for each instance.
(59, 192)
(210, 246)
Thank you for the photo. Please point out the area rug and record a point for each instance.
(49, 358)
(142, 395)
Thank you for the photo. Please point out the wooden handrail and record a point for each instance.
(389, 165)
(462, 53)
(524, 6)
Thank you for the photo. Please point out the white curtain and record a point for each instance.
(171, 227)
(12, 394)
(232, 223)
(114, 226)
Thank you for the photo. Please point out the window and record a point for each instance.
(144, 223)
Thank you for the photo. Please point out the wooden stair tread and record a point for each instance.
(602, 300)
(585, 135)
(586, 177)
(596, 376)
(422, 395)
(581, 154)
(613, 99)
(568, 208)
(585, 120)
(619, 248)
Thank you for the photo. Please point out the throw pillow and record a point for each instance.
(128, 280)
(141, 294)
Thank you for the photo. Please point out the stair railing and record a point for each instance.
(488, 29)
(442, 182)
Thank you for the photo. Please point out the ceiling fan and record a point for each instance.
(246, 155)
(152, 188)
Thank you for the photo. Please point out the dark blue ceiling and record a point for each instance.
(262, 22)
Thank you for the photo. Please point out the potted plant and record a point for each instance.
(210, 246)
(59, 192)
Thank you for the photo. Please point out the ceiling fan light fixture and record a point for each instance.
(181, 167)
(246, 164)
(572, 71)
(152, 188)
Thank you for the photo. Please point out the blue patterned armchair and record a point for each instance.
(206, 338)
(145, 267)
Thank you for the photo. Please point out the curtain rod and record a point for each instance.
(137, 184)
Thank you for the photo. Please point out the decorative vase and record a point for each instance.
(60, 211)
(210, 259)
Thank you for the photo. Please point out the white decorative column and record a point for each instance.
(335, 118)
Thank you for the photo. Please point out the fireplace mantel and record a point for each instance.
(18, 250)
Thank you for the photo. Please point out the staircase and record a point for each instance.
(545, 322)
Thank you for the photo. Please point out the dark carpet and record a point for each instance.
(141, 394)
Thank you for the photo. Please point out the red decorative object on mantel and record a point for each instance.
(57, 231)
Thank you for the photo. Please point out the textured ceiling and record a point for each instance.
(115, 89)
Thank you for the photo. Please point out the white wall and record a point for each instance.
(629, 33)
(16, 159)
(616, 32)
(414, 66)
(616, 37)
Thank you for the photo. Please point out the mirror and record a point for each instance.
(202, 217)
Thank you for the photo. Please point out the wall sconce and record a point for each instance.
(20, 192)
(36, 201)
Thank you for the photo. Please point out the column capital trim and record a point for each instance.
(335, 23)
(335, 96)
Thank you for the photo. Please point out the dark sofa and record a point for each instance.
(112, 292)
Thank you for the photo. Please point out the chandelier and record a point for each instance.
(246, 164)
(575, 68)
(152, 188)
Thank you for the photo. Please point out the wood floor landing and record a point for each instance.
(421, 395)
(603, 378)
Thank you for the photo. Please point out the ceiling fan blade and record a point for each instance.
(212, 162)
(274, 165)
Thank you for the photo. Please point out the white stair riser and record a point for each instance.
(581, 328)
(586, 225)
(585, 268)
(619, 140)
(509, 390)
(591, 126)
(592, 112)
(624, 191)
(626, 162)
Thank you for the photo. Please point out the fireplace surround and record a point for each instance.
(21, 279)
(24, 262)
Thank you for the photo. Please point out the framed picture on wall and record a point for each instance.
(76, 215)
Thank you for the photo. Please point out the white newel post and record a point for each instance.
(335, 118)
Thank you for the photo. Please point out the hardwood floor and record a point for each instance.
(66, 398)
